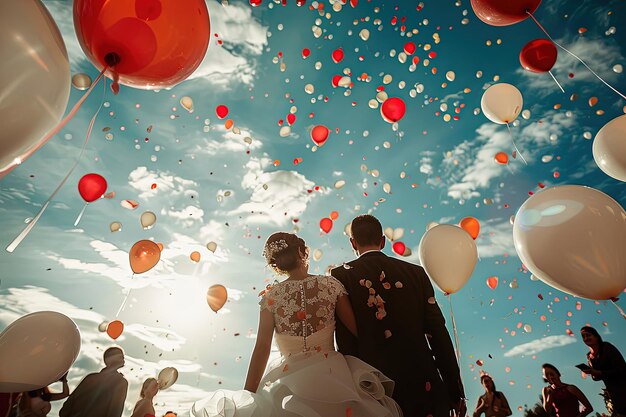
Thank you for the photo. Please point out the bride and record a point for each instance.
(310, 379)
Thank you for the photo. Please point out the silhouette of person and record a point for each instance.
(100, 394)
(36, 403)
(493, 402)
(8, 404)
(144, 407)
(395, 308)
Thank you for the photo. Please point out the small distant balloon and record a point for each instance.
(115, 329)
(492, 282)
(81, 81)
(317, 255)
(91, 187)
(319, 134)
(143, 256)
(216, 297)
(221, 111)
(471, 225)
(187, 103)
(115, 227)
(195, 256)
(212, 246)
(326, 225)
(102, 327)
(502, 158)
(148, 219)
(393, 109)
(399, 248)
(337, 55)
(167, 377)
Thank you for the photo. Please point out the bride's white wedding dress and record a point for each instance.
(310, 379)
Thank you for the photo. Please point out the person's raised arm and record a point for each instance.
(261, 352)
(346, 314)
(60, 395)
(582, 399)
(480, 407)
(546, 393)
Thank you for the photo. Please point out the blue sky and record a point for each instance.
(221, 185)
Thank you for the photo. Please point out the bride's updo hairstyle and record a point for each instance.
(284, 252)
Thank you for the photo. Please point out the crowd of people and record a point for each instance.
(376, 371)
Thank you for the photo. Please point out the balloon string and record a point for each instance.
(123, 303)
(555, 80)
(619, 309)
(574, 55)
(67, 118)
(514, 145)
(80, 215)
(457, 349)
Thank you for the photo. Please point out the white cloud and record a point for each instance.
(476, 164)
(141, 179)
(243, 38)
(495, 239)
(539, 345)
(229, 142)
(189, 215)
(284, 197)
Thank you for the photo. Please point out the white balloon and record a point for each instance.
(448, 254)
(398, 232)
(573, 238)
(609, 148)
(212, 246)
(36, 350)
(115, 227)
(102, 327)
(167, 377)
(317, 255)
(148, 219)
(388, 232)
(502, 103)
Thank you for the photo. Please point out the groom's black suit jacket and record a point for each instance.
(427, 377)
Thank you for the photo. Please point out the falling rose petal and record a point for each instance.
(129, 204)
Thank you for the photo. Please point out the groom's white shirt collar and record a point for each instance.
(368, 251)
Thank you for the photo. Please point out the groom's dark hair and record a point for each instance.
(366, 230)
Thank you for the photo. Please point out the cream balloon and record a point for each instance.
(502, 103)
(36, 79)
(317, 255)
(167, 377)
(81, 81)
(115, 227)
(609, 148)
(448, 254)
(573, 238)
(36, 350)
(388, 232)
(212, 246)
(147, 219)
(102, 327)
(398, 232)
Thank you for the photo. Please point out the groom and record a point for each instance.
(401, 330)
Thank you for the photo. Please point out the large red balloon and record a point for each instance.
(538, 55)
(503, 12)
(393, 109)
(149, 44)
(91, 187)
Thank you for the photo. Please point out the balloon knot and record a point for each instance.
(112, 59)
(614, 299)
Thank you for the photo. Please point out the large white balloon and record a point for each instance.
(502, 103)
(448, 254)
(35, 75)
(36, 350)
(609, 148)
(573, 238)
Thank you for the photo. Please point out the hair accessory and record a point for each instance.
(272, 248)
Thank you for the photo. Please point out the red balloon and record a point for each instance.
(337, 55)
(503, 12)
(148, 44)
(115, 329)
(221, 111)
(399, 248)
(409, 48)
(91, 187)
(492, 282)
(319, 134)
(335, 80)
(326, 225)
(291, 118)
(255, 3)
(305, 53)
(393, 109)
(501, 158)
(538, 55)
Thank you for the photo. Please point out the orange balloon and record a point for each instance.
(144, 255)
(228, 124)
(492, 282)
(216, 297)
(195, 256)
(501, 158)
(115, 329)
(160, 245)
(334, 215)
(471, 226)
